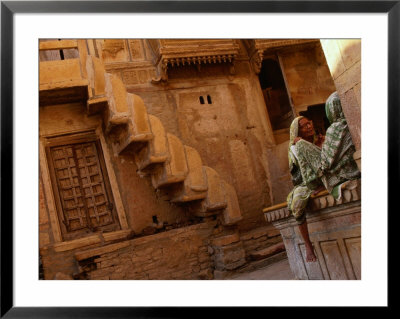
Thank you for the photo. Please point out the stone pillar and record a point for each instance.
(344, 61)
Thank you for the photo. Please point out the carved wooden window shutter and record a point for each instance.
(81, 189)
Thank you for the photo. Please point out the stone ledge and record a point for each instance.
(256, 233)
(320, 201)
(226, 240)
(91, 240)
(267, 252)
(100, 250)
(249, 266)
(172, 232)
(277, 214)
(344, 211)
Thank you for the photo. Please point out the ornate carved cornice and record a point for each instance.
(259, 48)
(177, 53)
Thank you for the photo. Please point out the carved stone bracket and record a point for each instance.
(162, 75)
(256, 61)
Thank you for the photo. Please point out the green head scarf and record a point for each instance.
(294, 132)
(333, 109)
(338, 144)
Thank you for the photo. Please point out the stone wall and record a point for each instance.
(200, 251)
(259, 239)
(176, 254)
(140, 201)
(344, 60)
(280, 175)
(182, 253)
(307, 76)
(228, 130)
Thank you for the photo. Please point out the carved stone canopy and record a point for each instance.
(259, 48)
(171, 53)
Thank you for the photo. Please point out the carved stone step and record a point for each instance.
(156, 150)
(194, 186)
(231, 213)
(137, 131)
(117, 115)
(96, 105)
(97, 101)
(267, 252)
(163, 155)
(175, 168)
(215, 200)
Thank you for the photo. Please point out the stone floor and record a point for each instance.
(276, 271)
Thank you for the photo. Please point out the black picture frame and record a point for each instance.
(9, 8)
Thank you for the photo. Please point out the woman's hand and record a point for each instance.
(298, 138)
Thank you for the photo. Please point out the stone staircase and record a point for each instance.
(175, 169)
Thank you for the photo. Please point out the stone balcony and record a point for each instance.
(335, 231)
(171, 53)
(63, 80)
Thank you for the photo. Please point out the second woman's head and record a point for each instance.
(306, 128)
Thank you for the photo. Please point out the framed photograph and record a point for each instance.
(145, 154)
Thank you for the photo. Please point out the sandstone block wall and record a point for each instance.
(259, 239)
(307, 76)
(344, 61)
(140, 201)
(176, 254)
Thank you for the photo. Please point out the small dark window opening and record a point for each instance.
(61, 53)
(209, 99)
(275, 94)
(155, 220)
(316, 113)
(201, 100)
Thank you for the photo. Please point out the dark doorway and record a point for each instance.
(275, 94)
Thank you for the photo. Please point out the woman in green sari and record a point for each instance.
(337, 162)
(304, 160)
(319, 162)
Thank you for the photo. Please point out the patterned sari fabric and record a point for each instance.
(337, 163)
(304, 162)
(312, 166)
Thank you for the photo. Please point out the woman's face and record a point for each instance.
(306, 128)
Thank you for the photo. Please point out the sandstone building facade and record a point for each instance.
(167, 158)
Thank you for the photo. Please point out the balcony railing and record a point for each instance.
(62, 78)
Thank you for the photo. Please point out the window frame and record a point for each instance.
(60, 242)
(73, 140)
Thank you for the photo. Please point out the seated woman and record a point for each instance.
(304, 160)
(337, 162)
(319, 162)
